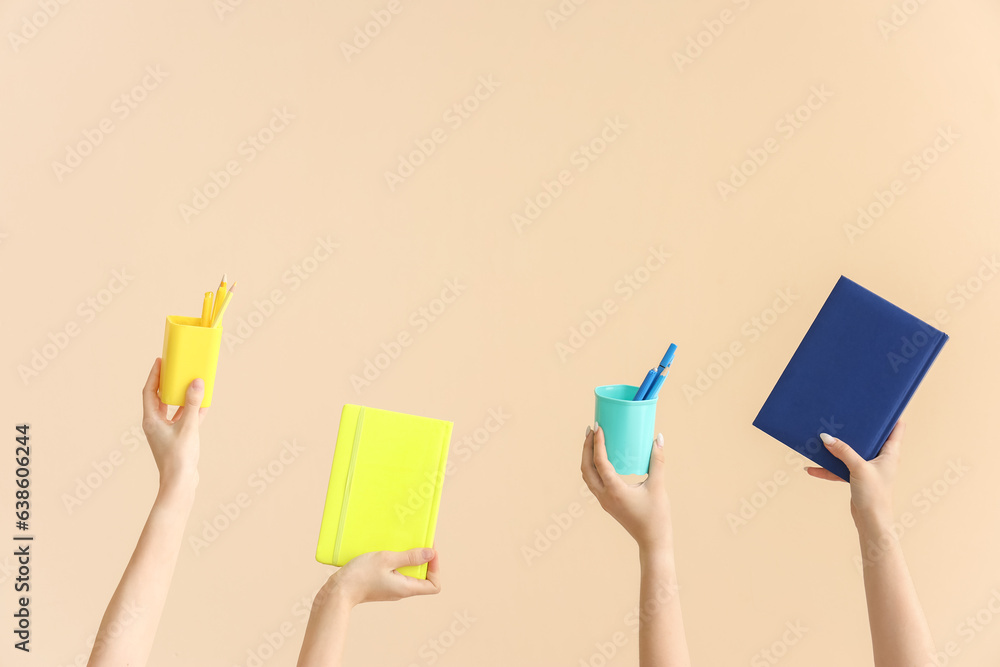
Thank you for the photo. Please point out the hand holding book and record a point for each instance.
(871, 481)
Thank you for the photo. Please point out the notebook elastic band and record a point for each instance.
(347, 485)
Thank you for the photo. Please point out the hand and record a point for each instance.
(372, 576)
(871, 481)
(174, 442)
(643, 509)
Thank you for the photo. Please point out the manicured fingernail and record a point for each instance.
(198, 383)
(588, 431)
(827, 439)
(659, 440)
(596, 425)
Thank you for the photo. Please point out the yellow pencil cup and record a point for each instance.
(189, 351)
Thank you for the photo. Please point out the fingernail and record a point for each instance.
(827, 439)
(659, 440)
(596, 425)
(198, 383)
(588, 431)
(428, 554)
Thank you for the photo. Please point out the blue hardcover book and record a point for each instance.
(851, 376)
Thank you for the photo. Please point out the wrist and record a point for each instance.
(873, 521)
(336, 594)
(179, 485)
(656, 554)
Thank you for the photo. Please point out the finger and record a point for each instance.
(193, 397)
(590, 475)
(604, 467)
(412, 585)
(395, 559)
(843, 451)
(150, 400)
(656, 463)
(823, 473)
(894, 441)
(177, 415)
(434, 571)
(201, 414)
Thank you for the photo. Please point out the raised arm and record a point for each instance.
(643, 509)
(129, 624)
(900, 635)
(370, 577)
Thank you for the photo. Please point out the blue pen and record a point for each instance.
(650, 386)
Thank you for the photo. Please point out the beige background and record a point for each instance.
(495, 347)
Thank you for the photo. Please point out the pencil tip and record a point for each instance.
(223, 277)
(233, 286)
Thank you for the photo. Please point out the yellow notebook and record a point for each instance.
(385, 485)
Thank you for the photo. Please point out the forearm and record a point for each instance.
(129, 624)
(900, 635)
(661, 628)
(326, 632)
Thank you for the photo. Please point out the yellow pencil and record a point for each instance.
(217, 320)
(220, 296)
(206, 310)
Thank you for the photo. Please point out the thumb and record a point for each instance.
(656, 461)
(192, 401)
(410, 557)
(843, 451)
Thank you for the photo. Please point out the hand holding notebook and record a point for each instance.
(871, 481)
(385, 485)
(851, 376)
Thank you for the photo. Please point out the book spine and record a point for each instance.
(929, 358)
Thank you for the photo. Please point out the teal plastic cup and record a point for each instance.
(628, 427)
